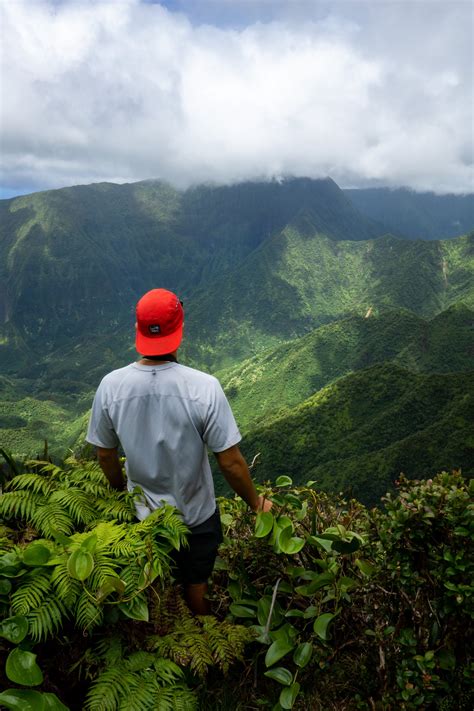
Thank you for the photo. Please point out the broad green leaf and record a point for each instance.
(285, 633)
(288, 695)
(10, 564)
(110, 585)
(281, 675)
(136, 609)
(295, 572)
(319, 582)
(36, 554)
(14, 628)
(299, 515)
(61, 538)
(276, 651)
(5, 587)
(294, 501)
(302, 654)
(21, 668)
(446, 659)
(321, 624)
(89, 544)
(346, 547)
(80, 564)
(263, 610)
(294, 613)
(227, 519)
(52, 703)
(365, 567)
(320, 542)
(345, 583)
(260, 634)
(241, 610)
(263, 524)
(284, 522)
(22, 700)
(289, 544)
(284, 481)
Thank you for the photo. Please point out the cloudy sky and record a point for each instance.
(370, 93)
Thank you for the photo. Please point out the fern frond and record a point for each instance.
(175, 698)
(88, 615)
(122, 510)
(32, 482)
(132, 685)
(141, 697)
(109, 650)
(186, 647)
(50, 518)
(77, 503)
(108, 689)
(47, 468)
(167, 671)
(109, 532)
(46, 619)
(35, 587)
(131, 575)
(222, 650)
(67, 589)
(21, 504)
(95, 489)
(139, 660)
(104, 566)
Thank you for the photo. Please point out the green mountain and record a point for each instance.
(283, 273)
(360, 432)
(413, 215)
(299, 279)
(74, 261)
(282, 377)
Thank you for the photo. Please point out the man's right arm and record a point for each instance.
(110, 464)
(236, 472)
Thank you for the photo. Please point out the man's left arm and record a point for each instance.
(110, 464)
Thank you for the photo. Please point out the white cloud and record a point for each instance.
(124, 91)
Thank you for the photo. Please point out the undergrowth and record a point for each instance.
(319, 604)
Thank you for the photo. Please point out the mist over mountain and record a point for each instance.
(415, 215)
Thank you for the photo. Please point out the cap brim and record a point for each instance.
(158, 345)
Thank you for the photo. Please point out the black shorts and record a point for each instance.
(194, 564)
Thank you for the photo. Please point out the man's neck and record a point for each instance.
(171, 358)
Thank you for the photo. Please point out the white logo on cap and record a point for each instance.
(154, 329)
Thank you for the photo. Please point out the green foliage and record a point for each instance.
(279, 378)
(376, 606)
(195, 642)
(55, 500)
(359, 433)
(60, 589)
(138, 682)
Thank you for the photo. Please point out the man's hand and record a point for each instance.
(264, 504)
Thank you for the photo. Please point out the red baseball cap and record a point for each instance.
(160, 319)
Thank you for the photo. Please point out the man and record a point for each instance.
(165, 415)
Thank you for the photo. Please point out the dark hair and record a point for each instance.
(167, 356)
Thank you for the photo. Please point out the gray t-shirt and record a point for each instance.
(165, 417)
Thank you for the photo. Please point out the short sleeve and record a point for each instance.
(101, 431)
(220, 427)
